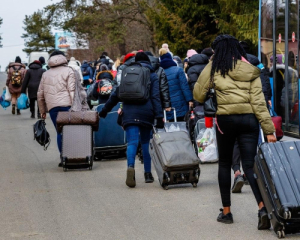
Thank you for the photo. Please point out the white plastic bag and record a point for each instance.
(7, 95)
(207, 145)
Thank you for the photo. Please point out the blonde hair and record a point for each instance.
(162, 51)
(117, 63)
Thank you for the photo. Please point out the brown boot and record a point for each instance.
(18, 112)
(13, 109)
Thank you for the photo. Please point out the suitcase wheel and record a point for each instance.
(280, 234)
(65, 169)
(287, 215)
(165, 186)
(194, 184)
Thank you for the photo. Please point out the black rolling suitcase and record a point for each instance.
(174, 158)
(277, 170)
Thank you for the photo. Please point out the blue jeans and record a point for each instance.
(133, 135)
(53, 115)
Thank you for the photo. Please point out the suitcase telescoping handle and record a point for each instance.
(175, 117)
(262, 134)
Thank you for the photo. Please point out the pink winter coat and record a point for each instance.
(57, 86)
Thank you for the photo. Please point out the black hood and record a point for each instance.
(154, 62)
(198, 59)
(35, 65)
(253, 59)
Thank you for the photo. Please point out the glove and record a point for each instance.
(102, 114)
(160, 123)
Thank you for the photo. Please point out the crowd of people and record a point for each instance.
(242, 92)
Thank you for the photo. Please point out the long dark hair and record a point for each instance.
(227, 51)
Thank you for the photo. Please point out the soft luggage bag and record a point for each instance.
(277, 121)
(277, 173)
(174, 158)
(110, 139)
(77, 147)
(90, 118)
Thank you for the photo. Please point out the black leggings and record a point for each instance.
(245, 129)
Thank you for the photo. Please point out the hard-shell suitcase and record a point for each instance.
(77, 147)
(110, 139)
(174, 158)
(277, 170)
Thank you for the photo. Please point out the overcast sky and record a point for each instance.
(13, 13)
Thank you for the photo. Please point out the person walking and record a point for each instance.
(180, 93)
(240, 108)
(138, 120)
(43, 62)
(163, 82)
(31, 82)
(15, 77)
(73, 64)
(239, 179)
(56, 90)
(87, 73)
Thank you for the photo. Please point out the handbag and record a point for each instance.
(41, 135)
(210, 104)
(90, 118)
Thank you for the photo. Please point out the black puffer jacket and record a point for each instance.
(264, 76)
(195, 66)
(163, 82)
(32, 79)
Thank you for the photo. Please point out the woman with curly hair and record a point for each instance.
(241, 107)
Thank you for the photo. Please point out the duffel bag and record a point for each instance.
(90, 118)
(277, 121)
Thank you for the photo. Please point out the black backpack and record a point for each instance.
(135, 84)
(40, 134)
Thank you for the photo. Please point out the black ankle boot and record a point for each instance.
(32, 115)
(18, 112)
(148, 177)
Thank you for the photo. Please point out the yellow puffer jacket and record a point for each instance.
(240, 92)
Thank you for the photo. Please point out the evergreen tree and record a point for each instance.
(38, 36)
(239, 18)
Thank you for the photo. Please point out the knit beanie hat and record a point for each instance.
(42, 60)
(191, 52)
(18, 60)
(166, 56)
(72, 59)
(128, 56)
(141, 56)
(57, 52)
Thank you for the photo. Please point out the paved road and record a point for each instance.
(40, 201)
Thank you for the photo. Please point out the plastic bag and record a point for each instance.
(22, 102)
(4, 103)
(207, 145)
(7, 95)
